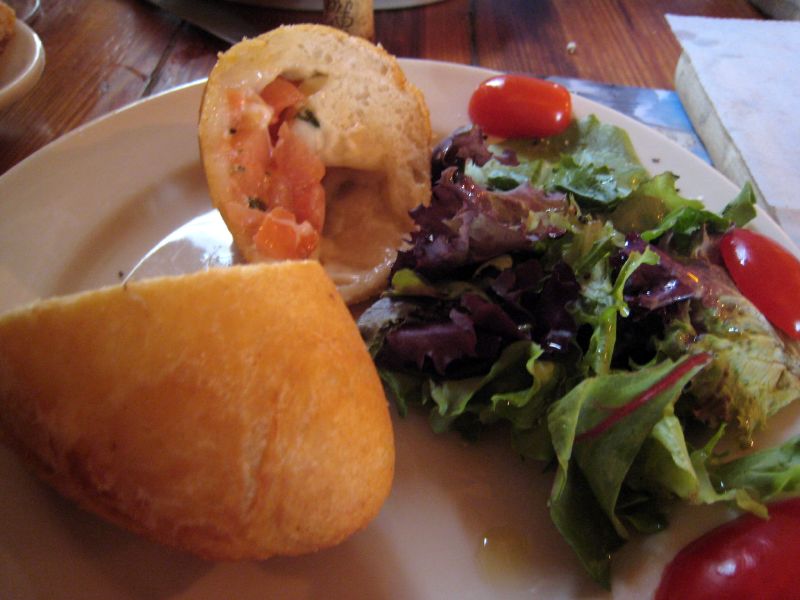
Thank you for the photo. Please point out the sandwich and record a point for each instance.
(315, 145)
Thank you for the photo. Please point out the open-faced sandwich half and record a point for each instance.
(315, 145)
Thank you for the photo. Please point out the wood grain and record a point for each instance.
(440, 31)
(627, 42)
(104, 54)
(100, 55)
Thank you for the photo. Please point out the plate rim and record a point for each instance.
(31, 72)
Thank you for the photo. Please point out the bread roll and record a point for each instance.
(363, 129)
(232, 413)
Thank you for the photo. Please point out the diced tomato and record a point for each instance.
(295, 159)
(309, 205)
(274, 173)
(280, 94)
(280, 191)
(281, 237)
(249, 157)
(304, 170)
(767, 274)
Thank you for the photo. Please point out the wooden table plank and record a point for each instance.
(192, 53)
(627, 42)
(440, 31)
(104, 54)
(100, 55)
(190, 56)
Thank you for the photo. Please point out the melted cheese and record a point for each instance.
(361, 233)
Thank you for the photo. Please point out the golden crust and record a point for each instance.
(233, 413)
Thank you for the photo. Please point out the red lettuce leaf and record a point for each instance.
(465, 224)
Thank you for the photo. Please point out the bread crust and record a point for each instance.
(373, 123)
(233, 413)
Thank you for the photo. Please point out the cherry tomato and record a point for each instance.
(767, 274)
(744, 559)
(511, 106)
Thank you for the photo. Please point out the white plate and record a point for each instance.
(83, 210)
(318, 4)
(21, 64)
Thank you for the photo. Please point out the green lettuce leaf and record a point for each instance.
(405, 389)
(754, 373)
(664, 464)
(742, 209)
(766, 474)
(509, 385)
(605, 309)
(656, 207)
(594, 161)
(598, 429)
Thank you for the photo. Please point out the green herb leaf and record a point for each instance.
(309, 117)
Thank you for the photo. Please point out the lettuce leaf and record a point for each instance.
(593, 161)
(767, 474)
(556, 287)
(598, 429)
(656, 208)
(755, 371)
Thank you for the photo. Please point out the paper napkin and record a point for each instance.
(739, 81)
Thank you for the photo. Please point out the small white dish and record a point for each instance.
(21, 64)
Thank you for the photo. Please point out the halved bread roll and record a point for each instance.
(314, 144)
(205, 411)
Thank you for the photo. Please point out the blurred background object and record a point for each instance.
(780, 9)
(21, 58)
(356, 17)
(24, 9)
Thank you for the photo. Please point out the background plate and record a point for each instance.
(21, 64)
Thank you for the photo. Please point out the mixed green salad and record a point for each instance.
(555, 288)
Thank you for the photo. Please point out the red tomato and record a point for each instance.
(744, 559)
(767, 274)
(519, 106)
(281, 236)
(280, 94)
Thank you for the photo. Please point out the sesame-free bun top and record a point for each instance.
(372, 133)
(232, 413)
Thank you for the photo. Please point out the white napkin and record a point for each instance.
(739, 81)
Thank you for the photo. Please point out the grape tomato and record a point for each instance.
(746, 558)
(519, 106)
(767, 274)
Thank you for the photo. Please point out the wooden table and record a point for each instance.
(104, 54)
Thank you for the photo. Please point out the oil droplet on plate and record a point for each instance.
(506, 556)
